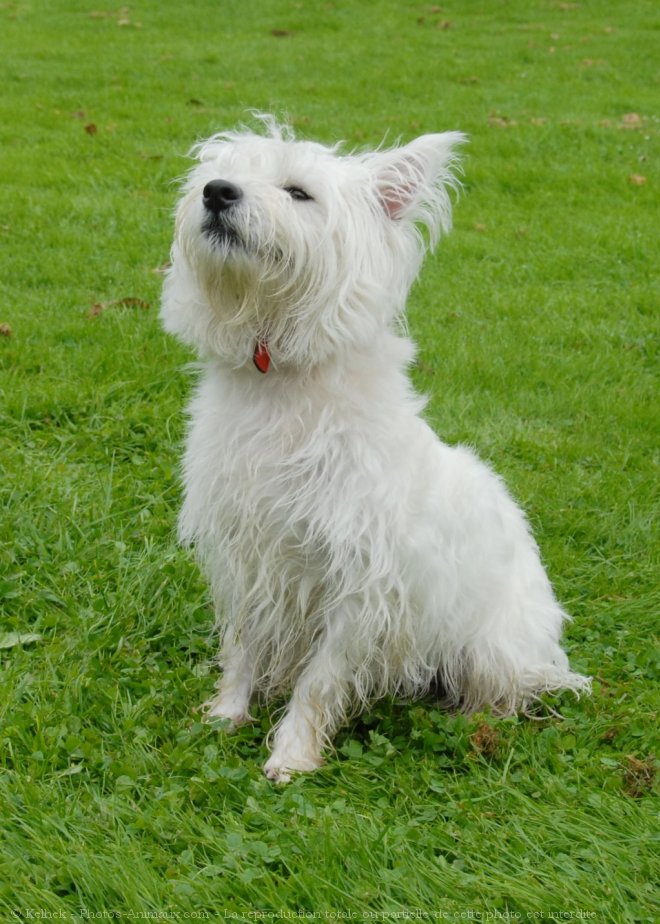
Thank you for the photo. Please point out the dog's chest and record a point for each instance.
(259, 466)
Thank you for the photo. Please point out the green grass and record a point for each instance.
(537, 324)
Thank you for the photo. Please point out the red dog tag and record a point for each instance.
(261, 357)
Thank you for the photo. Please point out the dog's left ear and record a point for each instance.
(412, 180)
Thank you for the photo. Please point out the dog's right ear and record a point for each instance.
(412, 181)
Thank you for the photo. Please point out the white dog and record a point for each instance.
(350, 552)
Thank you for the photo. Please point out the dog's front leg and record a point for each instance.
(298, 738)
(232, 701)
(319, 703)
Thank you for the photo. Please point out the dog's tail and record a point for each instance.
(493, 680)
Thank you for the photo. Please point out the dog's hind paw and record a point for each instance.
(231, 715)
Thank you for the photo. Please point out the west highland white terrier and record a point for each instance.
(351, 554)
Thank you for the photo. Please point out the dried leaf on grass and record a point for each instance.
(501, 121)
(631, 120)
(486, 740)
(639, 776)
(130, 302)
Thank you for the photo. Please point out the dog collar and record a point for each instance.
(261, 356)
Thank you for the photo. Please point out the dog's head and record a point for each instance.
(298, 245)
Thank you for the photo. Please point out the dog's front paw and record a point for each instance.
(280, 768)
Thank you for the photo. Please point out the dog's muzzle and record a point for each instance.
(219, 198)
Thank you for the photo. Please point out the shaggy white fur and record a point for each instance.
(350, 552)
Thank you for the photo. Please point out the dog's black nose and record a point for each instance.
(219, 195)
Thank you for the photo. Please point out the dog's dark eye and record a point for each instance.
(297, 193)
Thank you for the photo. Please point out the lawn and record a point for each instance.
(537, 324)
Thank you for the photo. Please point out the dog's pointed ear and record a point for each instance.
(412, 181)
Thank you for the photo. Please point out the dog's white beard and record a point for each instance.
(350, 552)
